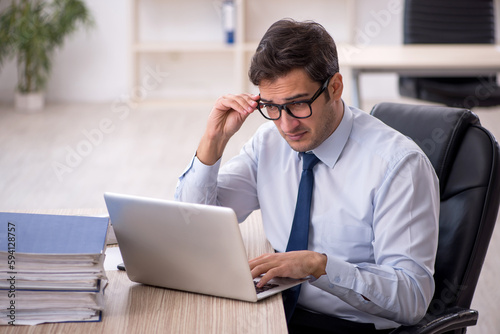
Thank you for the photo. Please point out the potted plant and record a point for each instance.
(30, 31)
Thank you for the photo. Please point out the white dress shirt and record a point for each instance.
(374, 213)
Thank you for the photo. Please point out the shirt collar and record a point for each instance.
(329, 151)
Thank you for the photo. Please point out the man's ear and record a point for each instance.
(336, 87)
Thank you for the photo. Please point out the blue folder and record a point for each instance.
(52, 234)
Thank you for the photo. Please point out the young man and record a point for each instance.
(373, 226)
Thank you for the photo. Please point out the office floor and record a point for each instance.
(69, 154)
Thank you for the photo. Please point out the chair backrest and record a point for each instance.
(445, 21)
(466, 158)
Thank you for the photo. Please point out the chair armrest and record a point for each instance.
(450, 319)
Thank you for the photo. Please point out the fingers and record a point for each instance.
(263, 264)
(297, 264)
(288, 264)
(227, 116)
(242, 103)
(267, 264)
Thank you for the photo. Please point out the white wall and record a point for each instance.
(94, 66)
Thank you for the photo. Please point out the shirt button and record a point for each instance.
(336, 280)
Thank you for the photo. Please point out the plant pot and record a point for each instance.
(29, 102)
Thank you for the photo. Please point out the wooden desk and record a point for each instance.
(136, 308)
(441, 60)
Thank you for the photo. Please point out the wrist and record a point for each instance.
(320, 265)
(210, 149)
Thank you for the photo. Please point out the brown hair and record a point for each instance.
(288, 45)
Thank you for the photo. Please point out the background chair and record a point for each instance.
(466, 158)
(445, 22)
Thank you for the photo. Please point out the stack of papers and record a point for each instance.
(51, 268)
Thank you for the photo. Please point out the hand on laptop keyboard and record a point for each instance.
(266, 287)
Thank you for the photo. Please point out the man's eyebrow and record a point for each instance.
(291, 98)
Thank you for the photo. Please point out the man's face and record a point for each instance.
(305, 134)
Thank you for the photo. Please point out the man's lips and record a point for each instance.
(296, 136)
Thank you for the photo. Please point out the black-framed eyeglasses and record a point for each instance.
(298, 109)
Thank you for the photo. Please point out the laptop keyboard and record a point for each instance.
(266, 287)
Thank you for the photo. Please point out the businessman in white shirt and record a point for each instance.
(375, 203)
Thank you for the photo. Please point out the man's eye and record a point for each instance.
(270, 107)
(298, 106)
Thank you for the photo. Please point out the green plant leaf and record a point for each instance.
(31, 30)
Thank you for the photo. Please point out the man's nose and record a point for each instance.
(287, 122)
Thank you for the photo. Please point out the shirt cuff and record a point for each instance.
(339, 274)
(204, 175)
(196, 175)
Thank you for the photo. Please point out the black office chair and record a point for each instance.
(466, 158)
(455, 22)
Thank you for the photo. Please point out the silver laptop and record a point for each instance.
(183, 246)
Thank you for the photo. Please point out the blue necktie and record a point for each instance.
(299, 234)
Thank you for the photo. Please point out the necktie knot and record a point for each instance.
(309, 160)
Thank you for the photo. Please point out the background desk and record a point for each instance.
(136, 308)
(439, 60)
